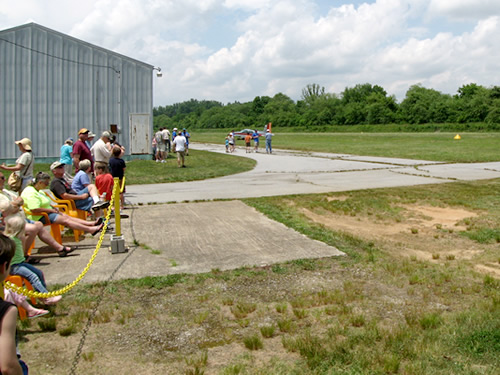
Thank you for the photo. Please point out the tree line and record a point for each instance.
(358, 105)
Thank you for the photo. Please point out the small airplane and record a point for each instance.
(242, 133)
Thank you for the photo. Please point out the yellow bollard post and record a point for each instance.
(116, 204)
(117, 240)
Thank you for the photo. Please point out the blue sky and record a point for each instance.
(234, 50)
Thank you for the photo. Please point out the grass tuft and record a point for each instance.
(253, 342)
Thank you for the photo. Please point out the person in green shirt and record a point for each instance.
(37, 202)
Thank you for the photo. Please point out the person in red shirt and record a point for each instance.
(104, 182)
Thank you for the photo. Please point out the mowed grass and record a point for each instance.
(200, 165)
(473, 147)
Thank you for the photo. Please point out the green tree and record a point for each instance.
(312, 92)
(422, 105)
(472, 103)
(280, 111)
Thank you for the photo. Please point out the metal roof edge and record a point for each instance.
(44, 28)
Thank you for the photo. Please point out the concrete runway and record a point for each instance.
(199, 237)
(288, 172)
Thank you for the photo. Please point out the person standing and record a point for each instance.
(180, 148)
(231, 142)
(67, 156)
(153, 146)
(81, 151)
(255, 137)
(24, 164)
(101, 150)
(174, 134)
(186, 135)
(248, 139)
(89, 140)
(227, 143)
(166, 140)
(160, 146)
(117, 166)
(269, 136)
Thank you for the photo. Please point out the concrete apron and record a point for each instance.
(290, 172)
(188, 238)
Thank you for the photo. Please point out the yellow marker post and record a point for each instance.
(117, 240)
(116, 204)
(457, 137)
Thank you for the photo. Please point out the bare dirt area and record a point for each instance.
(428, 233)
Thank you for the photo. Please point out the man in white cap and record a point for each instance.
(101, 150)
(90, 139)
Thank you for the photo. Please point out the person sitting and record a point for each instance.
(37, 203)
(9, 362)
(104, 182)
(14, 228)
(20, 301)
(32, 228)
(85, 199)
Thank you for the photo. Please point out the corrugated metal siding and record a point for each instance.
(49, 99)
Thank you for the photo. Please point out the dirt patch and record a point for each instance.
(428, 232)
(438, 216)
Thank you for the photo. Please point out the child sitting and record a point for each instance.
(14, 228)
(104, 182)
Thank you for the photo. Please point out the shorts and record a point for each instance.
(248, 144)
(180, 154)
(52, 218)
(161, 147)
(84, 204)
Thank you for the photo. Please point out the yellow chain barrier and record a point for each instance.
(67, 288)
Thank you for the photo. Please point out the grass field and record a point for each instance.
(418, 292)
(473, 147)
(200, 166)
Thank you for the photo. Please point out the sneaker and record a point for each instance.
(51, 300)
(100, 205)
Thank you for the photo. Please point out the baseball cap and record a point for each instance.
(83, 131)
(106, 134)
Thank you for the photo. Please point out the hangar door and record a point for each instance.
(140, 135)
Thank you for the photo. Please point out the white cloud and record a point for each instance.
(282, 45)
(465, 9)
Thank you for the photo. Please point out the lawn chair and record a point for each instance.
(20, 282)
(55, 229)
(68, 206)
